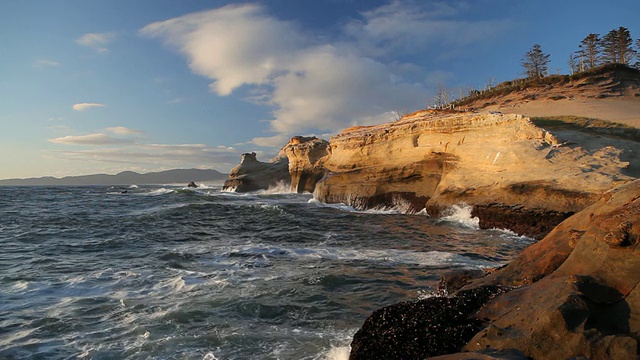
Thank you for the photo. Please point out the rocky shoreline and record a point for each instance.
(515, 175)
(572, 294)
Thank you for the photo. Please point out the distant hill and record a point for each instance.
(178, 176)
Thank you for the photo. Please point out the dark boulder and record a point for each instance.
(419, 329)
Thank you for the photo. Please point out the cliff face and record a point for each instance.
(306, 158)
(498, 163)
(516, 175)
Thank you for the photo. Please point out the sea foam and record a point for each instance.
(461, 215)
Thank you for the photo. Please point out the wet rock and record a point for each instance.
(419, 329)
(192, 185)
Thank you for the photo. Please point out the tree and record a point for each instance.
(573, 66)
(535, 62)
(617, 46)
(590, 48)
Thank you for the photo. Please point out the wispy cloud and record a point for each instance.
(98, 139)
(121, 130)
(154, 156)
(45, 63)
(85, 106)
(318, 86)
(97, 41)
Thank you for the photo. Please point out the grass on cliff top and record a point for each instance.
(588, 125)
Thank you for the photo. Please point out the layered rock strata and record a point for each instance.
(515, 174)
(574, 295)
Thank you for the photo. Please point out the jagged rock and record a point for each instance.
(419, 329)
(252, 175)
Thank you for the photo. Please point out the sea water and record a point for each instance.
(150, 272)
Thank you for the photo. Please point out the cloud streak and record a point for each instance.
(97, 139)
(45, 63)
(85, 106)
(121, 130)
(96, 41)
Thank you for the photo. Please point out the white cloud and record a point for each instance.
(89, 139)
(85, 106)
(45, 63)
(121, 130)
(96, 41)
(315, 86)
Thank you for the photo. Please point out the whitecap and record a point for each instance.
(280, 187)
(337, 353)
(134, 186)
(461, 215)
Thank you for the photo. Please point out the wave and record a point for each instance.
(281, 187)
(400, 207)
(158, 192)
(461, 215)
(390, 256)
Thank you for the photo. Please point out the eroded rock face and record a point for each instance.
(306, 157)
(498, 163)
(580, 295)
(252, 175)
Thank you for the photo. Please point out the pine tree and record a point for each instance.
(617, 46)
(535, 62)
(591, 47)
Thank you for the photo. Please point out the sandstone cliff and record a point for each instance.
(498, 163)
(516, 175)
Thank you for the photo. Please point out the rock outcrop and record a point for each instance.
(252, 175)
(575, 295)
(298, 164)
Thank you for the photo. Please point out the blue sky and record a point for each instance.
(147, 85)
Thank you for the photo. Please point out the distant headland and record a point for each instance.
(176, 176)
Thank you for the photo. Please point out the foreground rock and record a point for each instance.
(576, 295)
(416, 330)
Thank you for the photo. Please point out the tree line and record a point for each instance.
(616, 47)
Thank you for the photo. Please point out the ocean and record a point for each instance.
(170, 272)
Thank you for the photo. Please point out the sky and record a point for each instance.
(89, 86)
